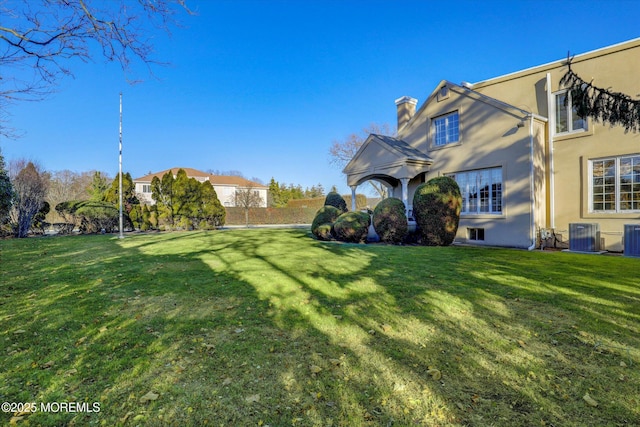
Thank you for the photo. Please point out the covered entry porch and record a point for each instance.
(390, 161)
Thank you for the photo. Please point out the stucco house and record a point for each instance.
(525, 161)
(225, 186)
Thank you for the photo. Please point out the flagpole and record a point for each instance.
(120, 171)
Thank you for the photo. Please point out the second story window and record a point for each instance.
(146, 188)
(567, 118)
(445, 130)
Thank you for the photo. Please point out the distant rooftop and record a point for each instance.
(235, 181)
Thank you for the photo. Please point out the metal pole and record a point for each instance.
(120, 170)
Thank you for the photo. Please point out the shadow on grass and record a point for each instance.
(269, 327)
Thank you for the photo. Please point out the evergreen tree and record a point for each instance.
(162, 194)
(275, 194)
(183, 202)
(186, 194)
(6, 192)
(212, 212)
(99, 186)
(601, 104)
(130, 202)
(314, 191)
(146, 218)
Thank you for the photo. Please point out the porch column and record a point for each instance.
(405, 193)
(353, 197)
(389, 190)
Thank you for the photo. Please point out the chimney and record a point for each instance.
(406, 109)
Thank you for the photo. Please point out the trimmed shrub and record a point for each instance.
(436, 207)
(96, 216)
(90, 216)
(324, 232)
(390, 220)
(336, 200)
(325, 216)
(352, 227)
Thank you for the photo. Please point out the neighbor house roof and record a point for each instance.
(235, 181)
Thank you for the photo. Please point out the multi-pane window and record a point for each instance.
(146, 188)
(481, 191)
(615, 184)
(445, 129)
(567, 118)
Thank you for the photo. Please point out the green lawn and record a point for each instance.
(270, 327)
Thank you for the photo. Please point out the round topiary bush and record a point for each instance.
(352, 227)
(324, 232)
(325, 216)
(436, 207)
(336, 200)
(390, 220)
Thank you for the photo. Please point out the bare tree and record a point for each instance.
(248, 198)
(342, 152)
(67, 185)
(39, 38)
(30, 189)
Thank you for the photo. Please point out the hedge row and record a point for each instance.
(318, 202)
(235, 215)
(314, 203)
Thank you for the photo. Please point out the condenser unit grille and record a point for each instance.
(632, 240)
(584, 237)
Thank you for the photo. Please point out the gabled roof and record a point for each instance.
(397, 148)
(471, 93)
(234, 181)
(387, 158)
(403, 148)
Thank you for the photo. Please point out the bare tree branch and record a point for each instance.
(341, 152)
(38, 38)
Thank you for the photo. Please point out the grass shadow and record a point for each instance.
(270, 327)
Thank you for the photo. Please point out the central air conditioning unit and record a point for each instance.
(632, 240)
(584, 237)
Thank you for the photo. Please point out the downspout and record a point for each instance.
(532, 186)
(552, 132)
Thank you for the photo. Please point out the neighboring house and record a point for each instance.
(523, 160)
(225, 186)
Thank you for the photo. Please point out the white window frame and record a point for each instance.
(617, 185)
(448, 124)
(570, 112)
(492, 204)
(146, 188)
(474, 234)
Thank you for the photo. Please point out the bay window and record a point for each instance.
(481, 191)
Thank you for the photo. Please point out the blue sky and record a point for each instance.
(265, 87)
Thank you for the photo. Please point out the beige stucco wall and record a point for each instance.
(489, 137)
(616, 68)
(545, 176)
